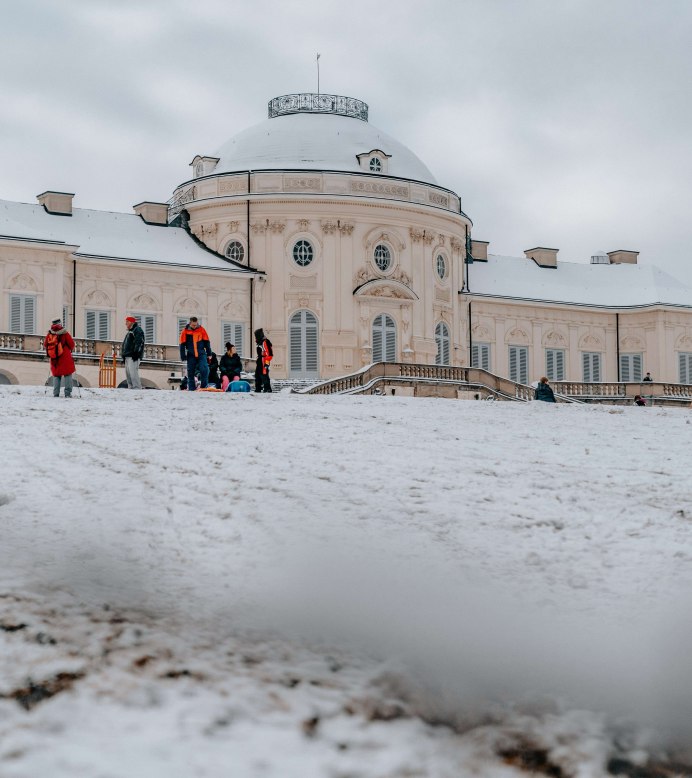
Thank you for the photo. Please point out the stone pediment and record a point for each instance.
(385, 287)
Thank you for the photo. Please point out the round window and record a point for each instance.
(302, 253)
(376, 165)
(235, 251)
(441, 267)
(383, 257)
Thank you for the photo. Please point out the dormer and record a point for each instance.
(203, 166)
(375, 161)
(542, 256)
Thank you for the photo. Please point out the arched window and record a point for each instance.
(303, 345)
(376, 165)
(302, 253)
(442, 340)
(384, 339)
(235, 251)
(441, 267)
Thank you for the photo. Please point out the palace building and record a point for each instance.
(339, 242)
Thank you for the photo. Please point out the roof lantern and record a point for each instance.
(311, 102)
(600, 258)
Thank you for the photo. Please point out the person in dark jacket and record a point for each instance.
(647, 377)
(639, 400)
(265, 353)
(231, 366)
(544, 391)
(132, 352)
(214, 377)
(194, 349)
(59, 346)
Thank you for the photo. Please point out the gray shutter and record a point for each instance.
(523, 365)
(550, 364)
(596, 367)
(310, 343)
(90, 328)
(29, 318)
(586, 367)
(559, 366)
(103, 325)
(474, 356)
(513, 363)
(625, 368)
(377, 327)
(442, 340)
(390, 342)
(296, 342)
(232, 332)
(15, 313)
(685, 367)
(637, 367)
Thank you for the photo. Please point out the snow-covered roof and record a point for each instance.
(576, 283)
(122, 236)
(309, 141)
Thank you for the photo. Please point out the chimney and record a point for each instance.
(479, 250)
(152, 213)
(58, 203)
(623, 257)
(543, 257)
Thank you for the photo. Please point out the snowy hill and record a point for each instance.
(212, 585)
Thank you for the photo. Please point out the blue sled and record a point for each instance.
(238, 386)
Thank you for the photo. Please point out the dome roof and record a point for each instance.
(316, 140)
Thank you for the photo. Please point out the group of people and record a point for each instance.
(544, 392)
(203, 364)
(195, 351)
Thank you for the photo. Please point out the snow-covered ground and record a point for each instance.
(232, 585)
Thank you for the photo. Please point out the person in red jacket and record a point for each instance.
(59, 347)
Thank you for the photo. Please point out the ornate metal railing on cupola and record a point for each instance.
(312, 102)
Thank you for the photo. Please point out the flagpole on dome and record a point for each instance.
(318, 75)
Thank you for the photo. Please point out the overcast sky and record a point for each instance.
(561, 123)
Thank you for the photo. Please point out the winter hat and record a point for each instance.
(131, 319)
(259, 335)
(56, 321)
(56, 326)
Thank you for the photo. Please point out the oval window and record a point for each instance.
(302, 253)
(441, 267)
(383, 257)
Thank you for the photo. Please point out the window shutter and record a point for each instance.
(232, 332)
(91, 325)
(474, 356)
(550, 364)
(296, 343)
(625, 368)
(29, 315)
(65, 314)
(182, 323)
(523, 366)
(15, 313)
(596, 367)
(586, 367)
(513, 357)
(377, 339)
(390, 343)
(559, 366)
(310, 343)
(103, 325)
(637, 367)
(685, 367)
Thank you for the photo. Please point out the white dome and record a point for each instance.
(313, 141)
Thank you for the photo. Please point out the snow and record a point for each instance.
(287, 585)
(611, 286)
(306, 141)
(108, 234)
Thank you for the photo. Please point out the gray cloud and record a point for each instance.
(561, 123)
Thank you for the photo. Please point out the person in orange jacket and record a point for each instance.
(194, 349)
(265, 353)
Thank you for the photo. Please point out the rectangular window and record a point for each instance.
(685, 367)
(23, 314)
(480, 355)
(182, 323)
(631, 367)
(519, 364)
(232, 332)
(591, 365)
(147, 321)
(555, 364)
(98, 325)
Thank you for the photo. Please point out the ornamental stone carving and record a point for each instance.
(260, 227)
(632, 342)
(302, 183)
(590, 341)
(23, 281)
(188, 305)
(144, 302)
(277, 227)
(387, 291)
(303, 223)
(480, 332)
(372, 187)
(329, 227)
(207, 230)
(345, 228)
(233, 226)
(456, 244)
(517, 336)
(97, 297)
(438, 199)
(554, 338)
(232, 185)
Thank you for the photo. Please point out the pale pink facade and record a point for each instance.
(339, 242)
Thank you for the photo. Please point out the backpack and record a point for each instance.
(53, 346)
